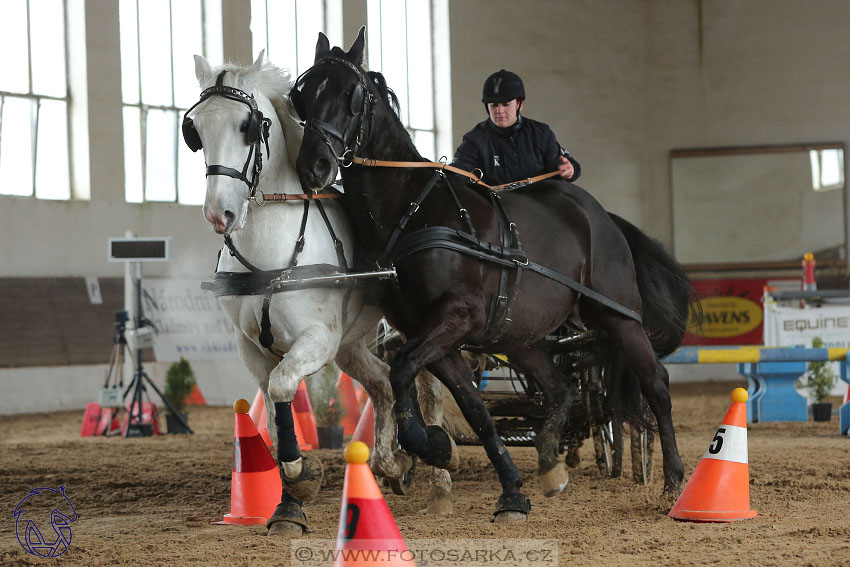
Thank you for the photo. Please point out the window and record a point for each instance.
(288, 29)
(400, 47)
(827, 169)
(34, 100)
(158, 40)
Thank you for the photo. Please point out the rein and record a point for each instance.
(369, 162)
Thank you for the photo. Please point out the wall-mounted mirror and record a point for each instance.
(757, 204)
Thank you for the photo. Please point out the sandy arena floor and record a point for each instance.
(151, 501)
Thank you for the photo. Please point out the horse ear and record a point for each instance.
(323, 47)
(202, 69)
(355, 53)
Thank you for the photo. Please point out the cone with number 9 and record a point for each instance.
(365, 521)
(719, 489)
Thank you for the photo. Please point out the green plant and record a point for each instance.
(322, 388)
(819, 378)
(179, 383)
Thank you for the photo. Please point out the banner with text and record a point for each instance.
(188, 320)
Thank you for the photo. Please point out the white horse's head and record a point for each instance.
(242, 112)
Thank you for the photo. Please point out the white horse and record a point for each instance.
(243, 112)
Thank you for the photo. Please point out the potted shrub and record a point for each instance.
(819, 381)
(179, 383)
(329, 414)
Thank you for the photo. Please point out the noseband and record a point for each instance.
(361, 112)
(257, 133)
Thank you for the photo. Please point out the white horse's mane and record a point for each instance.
(274, 83)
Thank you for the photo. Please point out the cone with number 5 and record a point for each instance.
(367, 534)
(719, 489)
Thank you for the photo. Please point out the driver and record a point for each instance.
(508, 146)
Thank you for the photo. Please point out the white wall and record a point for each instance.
(584, 68)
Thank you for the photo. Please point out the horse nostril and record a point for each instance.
(322, 168)
(228, 217)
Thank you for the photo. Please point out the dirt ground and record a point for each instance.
(151, 501)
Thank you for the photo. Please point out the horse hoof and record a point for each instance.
(288, 518)
(401, 484)
(442, 451)
(308, 483)
(511, 507)
(553, 481)
(285, 527)
(509, 516)
(573, 459)
(439, 505)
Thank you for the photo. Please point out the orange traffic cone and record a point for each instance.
(255, 486)
(365, 431)
(719, 489)
(260, 419)
(195, 397)
(365, 521)
(346, 396)
(302, 413)
(362, 396)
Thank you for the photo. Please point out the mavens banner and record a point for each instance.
(730, 312)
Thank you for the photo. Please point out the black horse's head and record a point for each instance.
(333, 99)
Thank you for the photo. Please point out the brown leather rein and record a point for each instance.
(369, 162)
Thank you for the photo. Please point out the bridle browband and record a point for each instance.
(254, 162)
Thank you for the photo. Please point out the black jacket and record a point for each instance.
(526, 149)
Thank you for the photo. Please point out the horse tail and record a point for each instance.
(666, 294)
(664, 287)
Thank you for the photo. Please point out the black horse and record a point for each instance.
(460, 284)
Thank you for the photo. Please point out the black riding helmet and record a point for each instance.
(503, 86)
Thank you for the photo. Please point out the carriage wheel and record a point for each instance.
(641, 449)
(603, 446)
(617, 448)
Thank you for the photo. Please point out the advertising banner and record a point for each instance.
(188, 321)
(730, 312)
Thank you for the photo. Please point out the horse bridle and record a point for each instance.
(257, 133)
(360, 108)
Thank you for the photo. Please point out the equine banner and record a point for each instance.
(188, 321)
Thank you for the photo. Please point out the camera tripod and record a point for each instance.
(137, 387)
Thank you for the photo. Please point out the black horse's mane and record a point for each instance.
(385, 92)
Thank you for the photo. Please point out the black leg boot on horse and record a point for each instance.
(301, 476)
(430, 443)
(454, 372)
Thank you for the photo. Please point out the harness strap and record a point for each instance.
(451, 239)
(281, 197)
(299, 242)
(414, 206)
(464, 214)
(235, 253)
(369, 162)
(338, 246)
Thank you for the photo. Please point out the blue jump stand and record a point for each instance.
(755, 390)
(773, 395)
(844, 410)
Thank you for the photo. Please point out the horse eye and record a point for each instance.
(244, 126)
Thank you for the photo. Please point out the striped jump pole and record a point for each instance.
(772, 374)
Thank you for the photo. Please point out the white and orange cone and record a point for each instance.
(719, 489)
(365, 520)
